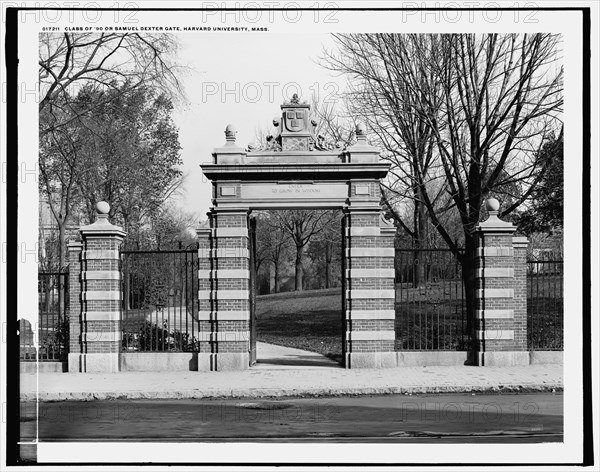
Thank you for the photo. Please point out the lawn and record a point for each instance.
(309, 320)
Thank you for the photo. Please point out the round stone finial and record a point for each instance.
(230, 131)
(491, 204)
(102, 208)
(361, 129)
(276, 121)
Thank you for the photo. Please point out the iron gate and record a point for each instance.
(431, 312)
(160, 293)
(53, 322)
(545, 308)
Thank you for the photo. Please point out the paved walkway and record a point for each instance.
(273, 357)
(279, 375)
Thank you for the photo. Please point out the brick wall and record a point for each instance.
(369, 246)
(219, 253)
(75, 322)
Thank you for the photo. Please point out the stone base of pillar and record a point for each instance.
(546, 357)
(370, 360)
(94, 363)
(499, 358)
(228, 361)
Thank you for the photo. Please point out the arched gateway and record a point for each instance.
(295, 170)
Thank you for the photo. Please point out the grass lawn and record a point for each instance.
(309, 320)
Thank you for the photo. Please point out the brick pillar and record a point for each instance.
(74, 249)
(100, 289)
(520, 244)
(500, 324)
(370, 291)
(224, 292)
(206, 319)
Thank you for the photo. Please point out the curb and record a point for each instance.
(287, 393)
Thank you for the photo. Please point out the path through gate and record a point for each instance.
(160, 292)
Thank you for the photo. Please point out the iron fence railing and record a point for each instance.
(52, 330)
(430, 301)
(545, 304)
(160, 293)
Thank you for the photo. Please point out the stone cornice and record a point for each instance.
(257, 172)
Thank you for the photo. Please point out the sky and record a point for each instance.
(241, 79)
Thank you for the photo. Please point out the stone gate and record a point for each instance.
(296, 169)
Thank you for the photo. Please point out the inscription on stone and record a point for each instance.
(296, 189)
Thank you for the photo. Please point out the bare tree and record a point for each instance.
(273, 244)
(333, 122)
(327, 245)
(69, 61)
(302, 226)
(469, 110)
(378, 95)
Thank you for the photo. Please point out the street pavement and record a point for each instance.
(453, 418)
(284, 372)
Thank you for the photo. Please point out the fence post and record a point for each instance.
(520, 244)
(74, 249)
(206, 359)
(99, 330)
(500, 318)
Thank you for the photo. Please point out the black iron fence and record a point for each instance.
(160, 292)
(52, 330)
(430, 301)
(545, 304)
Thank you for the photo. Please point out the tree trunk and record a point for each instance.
(61, 244)
(61, 259)
(276, 267)
(328, 258)
(299, 269)
(420, 242)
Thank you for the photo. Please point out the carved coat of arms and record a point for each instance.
(295, 120)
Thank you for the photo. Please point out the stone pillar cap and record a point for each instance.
(361, 150)
(102, 225)
(229, 148)
(493, 223)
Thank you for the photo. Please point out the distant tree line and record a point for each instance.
(304, 243)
